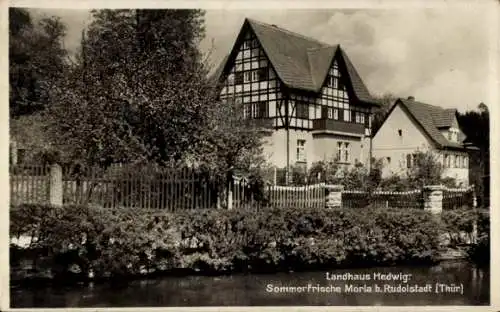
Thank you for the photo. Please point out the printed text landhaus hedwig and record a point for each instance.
(375, 276)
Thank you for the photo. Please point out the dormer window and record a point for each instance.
(453, 135)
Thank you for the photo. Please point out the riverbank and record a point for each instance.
(84, 243)
(252, 289)
(26, 277)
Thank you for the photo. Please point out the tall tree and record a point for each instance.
(37, 59)
(476, 127)
(386, 101)
(140, 93)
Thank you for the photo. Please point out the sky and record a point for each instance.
(441, 56)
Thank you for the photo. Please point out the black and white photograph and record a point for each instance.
(212, 156)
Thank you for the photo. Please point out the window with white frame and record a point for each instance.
(343, 152)
(409, 163)
(250, 44)
(347, 115)
(256, 110)
(247, 112)
(360, 118)
(301, 150)
(255, 75)
(248, 76)
(411, 160)
(453, 134)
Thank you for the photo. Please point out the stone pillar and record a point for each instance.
(334, 196)
(56, 186)
(433, 198)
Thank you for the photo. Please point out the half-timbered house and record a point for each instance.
(308, 92)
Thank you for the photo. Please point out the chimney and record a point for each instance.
(411, 98)
(274, 25)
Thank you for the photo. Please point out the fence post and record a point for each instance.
(13, 152)
(474, 197)
(333, 196)
(230, 196)
(433, 198)
(474, 223)
(56, 185)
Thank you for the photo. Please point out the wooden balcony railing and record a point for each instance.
(336, 125)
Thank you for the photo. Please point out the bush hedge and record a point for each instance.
(461, 220)
(116, 243)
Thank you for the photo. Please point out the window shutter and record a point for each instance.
(324, 112)
(263, 74)
(238, 78)
(262, 109)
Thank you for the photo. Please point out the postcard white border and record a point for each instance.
(492, 19)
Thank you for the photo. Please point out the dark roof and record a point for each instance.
(302, 62)
(431, 118)
(444, 118)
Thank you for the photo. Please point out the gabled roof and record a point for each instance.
(302, 62)
(444, 118)
(431, 118)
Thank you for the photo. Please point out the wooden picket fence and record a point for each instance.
(174, 189)
(454, 198)
(142, 187)
(29, 184)
(309, 196)
(380, 199)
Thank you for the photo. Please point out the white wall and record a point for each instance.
(317, 148)
(387, 143)
(276, 143)
(325, 147)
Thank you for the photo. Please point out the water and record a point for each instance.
(250, 290)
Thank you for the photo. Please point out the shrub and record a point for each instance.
(462, 220)
(480, 253)
(114, 243)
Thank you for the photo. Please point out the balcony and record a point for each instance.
(264, 123)
(330, 125)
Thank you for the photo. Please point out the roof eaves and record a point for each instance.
(356, 80)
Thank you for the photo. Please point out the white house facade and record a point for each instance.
(412, 126)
